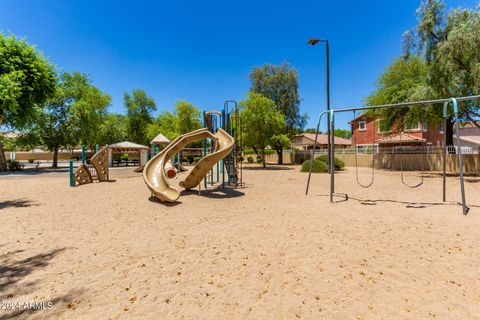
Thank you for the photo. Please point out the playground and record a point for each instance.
(263, 250)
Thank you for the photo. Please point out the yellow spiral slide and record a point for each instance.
(154, 171)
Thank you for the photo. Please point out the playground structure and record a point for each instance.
(222, 149)
(99, 162)
(446, 103)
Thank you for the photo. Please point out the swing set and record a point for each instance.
(446, 104)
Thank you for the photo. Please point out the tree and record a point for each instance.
(188, 117)
(112, 129)
(404, 80)
(280, 84)
(185, 118)
(262, 124)
(27, 80)
(441, 59)
(342, 133)
(311, 130)
(166, 124)
(72, 116)
(139, 108)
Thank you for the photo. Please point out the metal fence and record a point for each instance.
(393, 150)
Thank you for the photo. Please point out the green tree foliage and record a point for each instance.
(185, 118)
(280, 84)
(27, 80)
(262, 124)
(342, 133)
(188, 117)
(166, 124)
(441, 59)
(404, 80)
(72, 116)
(139, 108)
(113, 129)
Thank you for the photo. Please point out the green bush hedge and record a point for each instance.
(339, 164)
(250, 151)
(250, 159)
(317, 166)
(320, 165)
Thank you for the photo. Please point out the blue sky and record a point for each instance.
(202, 51)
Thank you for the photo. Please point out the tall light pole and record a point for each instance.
(314, 41)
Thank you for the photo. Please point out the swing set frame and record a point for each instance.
(446, 103)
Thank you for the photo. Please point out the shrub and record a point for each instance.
(317, 166)
(124, 156)
(30, 160)
(250, 151)
(240, 159)
(250, 159)
(259, 160)
(339, 164)
(13, 165)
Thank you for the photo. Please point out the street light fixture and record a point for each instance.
(314, 41)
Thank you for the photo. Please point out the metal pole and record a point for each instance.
(314, 148)
(460, 158)
(152, 151)
(179, 162)
(222, 162)
(204, 149)
(83, 153)
(444, 157)
(72, 181)
(332, 157)
(96, 148)
(327, 58)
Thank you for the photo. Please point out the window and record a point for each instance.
(441, 128)
(424, 126)
(412, 126)
(362, 126)
(383, 126)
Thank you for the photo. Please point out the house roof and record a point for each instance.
(11, 134)
(323, 139)
(470, 139)
(399, 138)
(160, 139)
(127, 144)
(360, 116)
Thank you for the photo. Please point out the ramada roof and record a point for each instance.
(160, 139)
(399, 138)
(128, 144)
(323, 139)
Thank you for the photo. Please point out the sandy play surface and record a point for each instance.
(264, 251)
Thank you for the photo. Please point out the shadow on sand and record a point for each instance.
(270, 167)
(17, 203)
(165, 203)
(217, 193)
(341, 197)
(13, 272)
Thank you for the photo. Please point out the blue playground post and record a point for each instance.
(229, 131)
(96, 148)
(222, 162)
(204, 148)
(179, 162)
(152, 151)
(72, 181)
(83, 153)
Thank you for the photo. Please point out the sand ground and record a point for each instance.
(263, 251)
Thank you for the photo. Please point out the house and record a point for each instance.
(305, 141)
(367, 131)
(469, 138)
